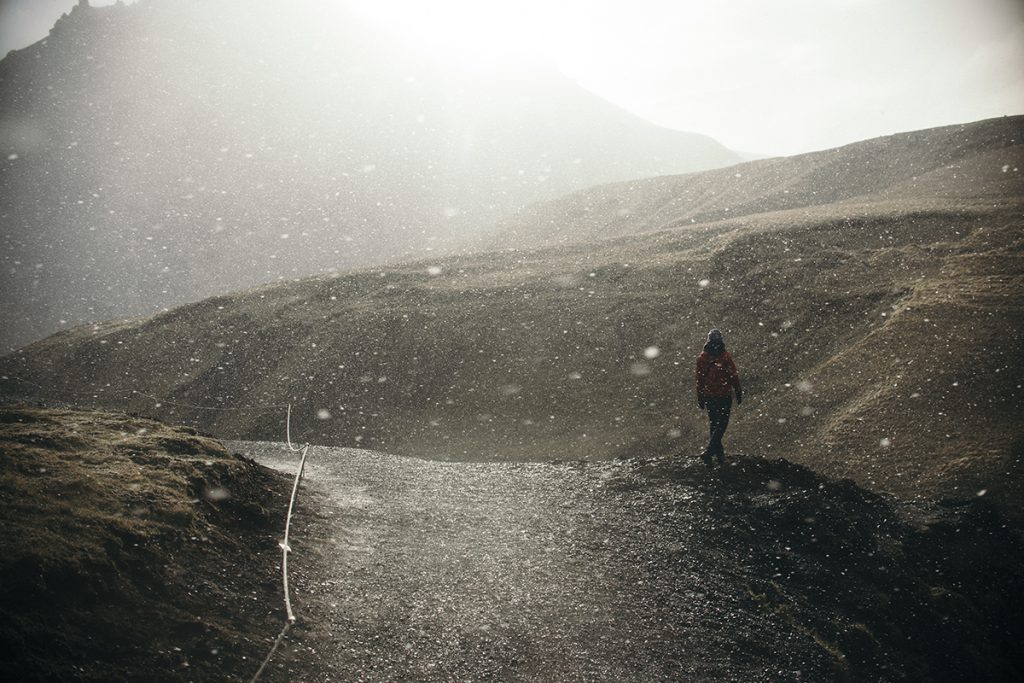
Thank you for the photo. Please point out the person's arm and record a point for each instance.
(734, 379)
(699, 375)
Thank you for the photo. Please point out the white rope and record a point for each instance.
(288, 430)
(285, 549)
(277, 642)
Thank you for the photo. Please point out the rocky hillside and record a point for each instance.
(164, 151)
(877, 335)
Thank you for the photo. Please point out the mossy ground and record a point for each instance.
(131, 550)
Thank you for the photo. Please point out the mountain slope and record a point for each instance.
(942, 165)
(878, 339)
(165, 151)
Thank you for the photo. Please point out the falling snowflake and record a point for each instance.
(640, 369)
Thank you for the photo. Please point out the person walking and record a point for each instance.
(717, 379)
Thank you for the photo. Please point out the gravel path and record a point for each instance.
(406, 569)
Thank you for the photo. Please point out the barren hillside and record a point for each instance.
(877, 333)
(948, 167)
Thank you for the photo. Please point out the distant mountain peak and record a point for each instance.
(154, 142)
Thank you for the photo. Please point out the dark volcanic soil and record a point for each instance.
(637, 570)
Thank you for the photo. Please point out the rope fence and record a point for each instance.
(290, 618)
(285, 549)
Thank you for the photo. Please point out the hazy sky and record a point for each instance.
(776, 77)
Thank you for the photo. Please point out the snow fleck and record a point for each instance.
(674, 433)
(434, 270)
(14, 157)
(774, 485)
(703, 283)
(652, 352)
(640, 369)
(575, 375)
(885, 442)
(323, 414)
(982, 492)
(217, 493)
(807, 411)
(805, 386)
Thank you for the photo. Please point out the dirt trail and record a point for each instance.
(412, 569)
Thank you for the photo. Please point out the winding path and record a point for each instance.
(406, 569)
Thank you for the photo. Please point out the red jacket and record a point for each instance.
(716, 375)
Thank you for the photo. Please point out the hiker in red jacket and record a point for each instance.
(717, 378)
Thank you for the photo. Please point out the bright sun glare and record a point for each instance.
(474, 34)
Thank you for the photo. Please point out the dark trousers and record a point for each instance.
(719, 408)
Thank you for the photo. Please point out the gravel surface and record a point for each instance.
(422, 570)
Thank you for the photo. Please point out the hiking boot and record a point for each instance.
(706, 457)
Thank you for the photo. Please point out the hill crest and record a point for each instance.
(948, 165)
